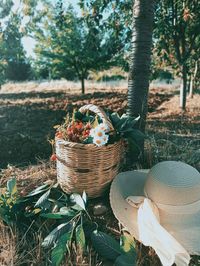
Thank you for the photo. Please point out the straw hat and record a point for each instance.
(174, 190)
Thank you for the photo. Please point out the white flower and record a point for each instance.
(99, 134)
(92, 132)
(100, 141)
(104, 127)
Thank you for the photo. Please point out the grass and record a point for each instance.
(27, 114)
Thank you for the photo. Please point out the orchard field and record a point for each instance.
(28, 112)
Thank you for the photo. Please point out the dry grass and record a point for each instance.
(62, 85)
(8, 254)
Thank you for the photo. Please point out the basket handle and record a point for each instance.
(100, 112)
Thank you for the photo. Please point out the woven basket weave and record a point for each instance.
(86, 167)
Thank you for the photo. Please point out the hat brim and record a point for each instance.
(126, 184)
(185, 228)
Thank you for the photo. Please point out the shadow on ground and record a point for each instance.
(27, 120)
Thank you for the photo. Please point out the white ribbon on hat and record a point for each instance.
(152, 234)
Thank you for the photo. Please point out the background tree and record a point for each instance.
(71, 46)
(13, 62)
(113, 17)
(18, 67)
(177, 34)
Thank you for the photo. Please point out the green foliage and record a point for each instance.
(8, 200)
(105, 245)
(123, 253)
(114, 17)
(128, 245)
(177, 33)
(13, 62)
(80, 237)
(5, 7)
(69, 46)
(60, 250)
(69, 223)
(126, 129)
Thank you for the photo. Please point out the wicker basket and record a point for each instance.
(86, 167)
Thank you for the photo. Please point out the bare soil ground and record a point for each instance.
(27, 117)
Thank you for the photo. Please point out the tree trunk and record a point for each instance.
(191, 87)
(140, 59)
(183, 88)
(193, 77)
(83, 85)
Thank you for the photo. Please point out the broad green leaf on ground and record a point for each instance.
(52, 215)
(65, 211)
(127, 243)
(12, 186)
(78, 200)
(38, 190)
(125, 260)
(80, 237)
(60, 249)
(56, 233)
(105, 245)
(43, 201)
(4, 215)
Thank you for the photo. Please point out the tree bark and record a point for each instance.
(193, 77)
(140, 59)
(83, 85)
(183, 88)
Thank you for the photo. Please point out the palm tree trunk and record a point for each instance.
(138, 82)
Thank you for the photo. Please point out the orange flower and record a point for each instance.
(79, 125)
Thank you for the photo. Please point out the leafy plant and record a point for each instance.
(125, 129)
(68, 222)
(8, 199)
(123, 253)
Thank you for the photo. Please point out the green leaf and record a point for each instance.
(115, 118)
(43, 201)
(78, 115)
(60, 249)
(136, 135)
(65, 211)
(127, 244)
(52, 215)
(12, 186)
(78, 200)
(126, 124)
(57, 232)
(80, 237)
(38, 190)
(125, 260)
(105, 245)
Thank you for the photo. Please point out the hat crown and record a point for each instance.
(173, 183)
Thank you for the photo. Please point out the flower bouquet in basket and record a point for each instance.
(89, 148)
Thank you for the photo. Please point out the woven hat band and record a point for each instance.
(151, 233)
